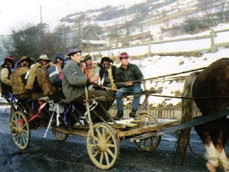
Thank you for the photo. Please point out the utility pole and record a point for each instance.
(41, 15)
(40, 30)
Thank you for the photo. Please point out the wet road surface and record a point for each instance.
(50, 155)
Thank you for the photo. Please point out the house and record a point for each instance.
(91, 40)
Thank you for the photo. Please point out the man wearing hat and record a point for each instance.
(128, 80)
(6, 71)
(107, 73)
(38, 73)
(43, 60)
(74, 81)
(17, 78)
(91, 69)
(25, 61)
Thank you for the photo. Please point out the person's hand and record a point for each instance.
(129, 83)
(94, 79)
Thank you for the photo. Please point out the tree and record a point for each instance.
(36, 40)
(210, 8)
(26, 42)
(114, 35)
(223, 14)
(60, 37)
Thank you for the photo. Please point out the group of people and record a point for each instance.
(67, 79)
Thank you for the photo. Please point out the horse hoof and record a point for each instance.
(211, 167)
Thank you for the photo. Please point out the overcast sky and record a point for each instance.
(18, 13)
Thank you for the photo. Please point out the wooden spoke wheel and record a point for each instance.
(19, 127)
(59, 135)
(102, 145)
(151, 143)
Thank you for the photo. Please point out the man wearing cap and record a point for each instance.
(6, 71)
(128, 80)
(17, 78)
(74, 80)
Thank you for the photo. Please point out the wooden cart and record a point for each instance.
(103, 133)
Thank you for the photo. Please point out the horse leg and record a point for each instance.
(211, 154)
(218, 138)
(225, 136)
(222, 157)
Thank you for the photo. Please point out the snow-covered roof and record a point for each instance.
(94, 42)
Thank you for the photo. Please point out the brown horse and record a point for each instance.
(210, 91)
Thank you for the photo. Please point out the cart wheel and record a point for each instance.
(102, 145)
(19, 127)
(59, 135)
(149, 144)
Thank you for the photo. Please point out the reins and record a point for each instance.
(152, 93)
(164, 76)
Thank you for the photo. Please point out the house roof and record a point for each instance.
(91, 37)
(97, 42)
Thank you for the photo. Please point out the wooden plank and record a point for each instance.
(147, 128)
(79, 130)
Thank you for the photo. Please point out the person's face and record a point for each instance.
(24, 64)
(106, 64)
(124, 61)
(43, 62)
(10, 65)
(59, 62)
(88, 63)
(76, 57)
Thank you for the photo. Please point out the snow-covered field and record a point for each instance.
(162, 65)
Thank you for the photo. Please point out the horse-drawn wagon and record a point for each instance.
(104, 133)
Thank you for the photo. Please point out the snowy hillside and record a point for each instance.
(145, 20)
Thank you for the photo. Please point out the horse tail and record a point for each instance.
(187, 115)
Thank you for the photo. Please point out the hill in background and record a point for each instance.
(145, 21)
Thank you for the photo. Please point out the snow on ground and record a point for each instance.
(188, 45)
(163, 65)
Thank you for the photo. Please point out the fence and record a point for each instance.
(169, 113)
(166, 113)
(208, 41)
(158, 113)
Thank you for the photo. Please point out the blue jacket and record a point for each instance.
(54, 75)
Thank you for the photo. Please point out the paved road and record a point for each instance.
(50, 155)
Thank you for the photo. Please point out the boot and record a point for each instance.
(119, 115)
(132, 114)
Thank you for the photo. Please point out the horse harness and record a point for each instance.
(196, 121)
